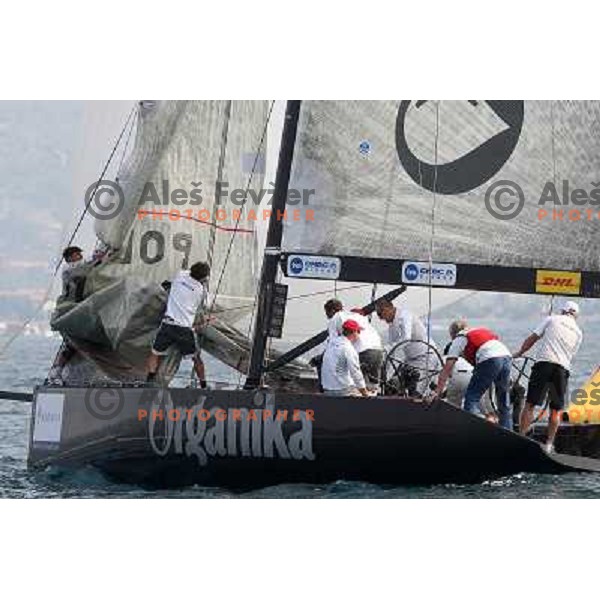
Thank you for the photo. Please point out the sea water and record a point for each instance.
(26, 364)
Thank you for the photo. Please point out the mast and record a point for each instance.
(272, 252)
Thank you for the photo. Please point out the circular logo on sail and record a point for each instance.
(365, 147)
(411, 272)
(296, 265)
(498, 121)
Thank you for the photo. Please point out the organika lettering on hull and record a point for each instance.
(235, 432)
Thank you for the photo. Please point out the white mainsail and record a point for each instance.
(374, 165)
(179, 145)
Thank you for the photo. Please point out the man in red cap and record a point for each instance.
(340, 372)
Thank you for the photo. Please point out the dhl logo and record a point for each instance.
(558, 282)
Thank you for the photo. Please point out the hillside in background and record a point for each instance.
(38, 145)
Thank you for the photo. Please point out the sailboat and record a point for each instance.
(398, 193)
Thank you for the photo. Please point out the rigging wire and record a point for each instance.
(553, 137)
(219, 182)
(239, 216)
(104, 170)
(131, 128)
(298, 297)
(17, 334)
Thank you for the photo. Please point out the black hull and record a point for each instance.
(239, 440)
(574, 439)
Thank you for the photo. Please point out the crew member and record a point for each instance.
(419, 349)
(340, 372)
(560, 340)
(73, 276)
(367, 344)
(459, 382)
(187, 298)
(491, 360)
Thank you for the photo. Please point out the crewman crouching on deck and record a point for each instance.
(367, 344)
(187, 298)
(491, 360)
(560, 340)
(340, 372)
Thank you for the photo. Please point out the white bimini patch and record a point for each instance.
(48, 418)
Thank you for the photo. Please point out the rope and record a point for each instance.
(432, 238)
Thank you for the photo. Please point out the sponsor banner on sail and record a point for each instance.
(422, 273)
(314, 267)
(391, 176)
(558, 282)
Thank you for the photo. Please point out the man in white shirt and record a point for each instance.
(368, 344)
(491, 360)
(419, 357)
(560, 338)
(340, 371)
(187, 297)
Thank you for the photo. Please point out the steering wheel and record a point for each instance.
(402, 377)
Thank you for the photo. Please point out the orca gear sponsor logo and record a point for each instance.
(558, 282)
(411, 272)
(315, 267)
(419, 273)
(296, 265)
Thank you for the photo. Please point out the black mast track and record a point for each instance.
(272, 251)
(314, 341)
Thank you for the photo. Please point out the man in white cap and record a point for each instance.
(560, 340)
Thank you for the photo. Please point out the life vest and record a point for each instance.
(475, 339)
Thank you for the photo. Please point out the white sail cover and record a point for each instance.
(374, 167)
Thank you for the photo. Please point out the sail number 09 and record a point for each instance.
(152, 247)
